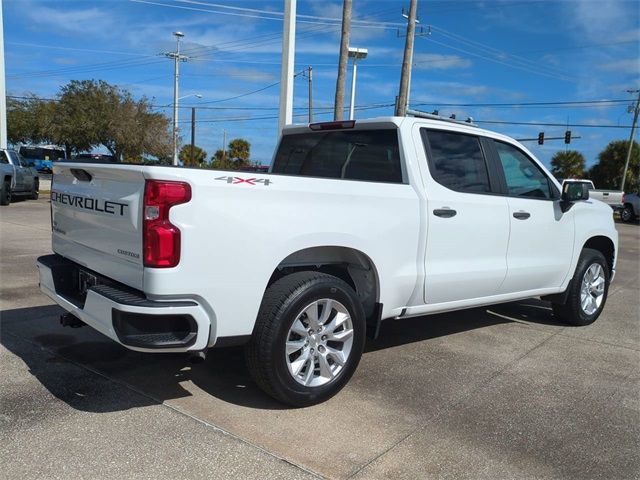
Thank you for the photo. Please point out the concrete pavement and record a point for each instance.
(501, 392)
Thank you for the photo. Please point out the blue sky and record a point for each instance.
(478, 54)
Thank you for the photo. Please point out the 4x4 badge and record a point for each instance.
(249, 181)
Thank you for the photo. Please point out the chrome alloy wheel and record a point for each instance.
(319, 343)
(592, 289)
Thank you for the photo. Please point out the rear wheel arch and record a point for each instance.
(349, 264)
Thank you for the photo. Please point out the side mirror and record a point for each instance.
(574, 192)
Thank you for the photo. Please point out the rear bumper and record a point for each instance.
(124, 315)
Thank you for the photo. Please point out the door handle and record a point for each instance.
(444, 212)
(521, 215)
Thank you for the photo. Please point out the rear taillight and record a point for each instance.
(160, 237)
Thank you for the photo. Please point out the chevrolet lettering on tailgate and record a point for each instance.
(88, 203)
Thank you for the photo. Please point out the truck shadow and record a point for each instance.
(84, 368)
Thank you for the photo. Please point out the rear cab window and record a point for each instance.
(365, 154)
(456, 160)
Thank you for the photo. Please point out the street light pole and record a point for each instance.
(285, 115)
(177, 58)
(633, 132)
(356, 54)
(193, 133)
(354, 75)
(3, 93)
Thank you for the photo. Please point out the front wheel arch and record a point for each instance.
(605, 246)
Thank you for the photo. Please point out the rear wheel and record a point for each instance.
(5, 196)
(35, 190)
(627, 214)
(308, 338)
(587, 291)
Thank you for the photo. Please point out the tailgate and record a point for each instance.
(96, 218)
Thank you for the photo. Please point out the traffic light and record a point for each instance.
(567, 137)
(540, 138)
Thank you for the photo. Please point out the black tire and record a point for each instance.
(5, 196)
(572, 312)
(282, 303)
(627, 215)
(35, 190)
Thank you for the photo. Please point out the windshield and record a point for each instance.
(42, 153)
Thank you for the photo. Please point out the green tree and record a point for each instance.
(221, 161)
(569, 164)
(91, 113)
(239, 151)
(199, 155)
(607, 173)
(29, 119)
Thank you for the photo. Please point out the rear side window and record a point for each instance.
(3, 157)
(371, 155)
(456, 161)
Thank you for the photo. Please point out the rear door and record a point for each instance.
(96, 214)
(468, 228)
(542, 236)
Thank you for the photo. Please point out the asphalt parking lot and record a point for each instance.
(502, 392)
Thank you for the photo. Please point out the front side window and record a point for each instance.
(524, 178)
(371, 155)
(457, 161)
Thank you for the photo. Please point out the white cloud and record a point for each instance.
(632, 35)
(629, 65)
(435, 61)
(71, 21)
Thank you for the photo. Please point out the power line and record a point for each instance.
(526, 104)
(495, 60)
(544, 124)
(253, 13)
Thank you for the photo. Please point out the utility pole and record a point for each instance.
(338, 107)
(193, 133)
(177, 58)
(3, 92)
(286, 71)
(310, 78)
(405, 75)
(633, 132)
(224, 144)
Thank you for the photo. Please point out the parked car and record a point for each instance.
(613, 198)
(631, 207)
(17, 178)
(357, 222)
(41, 157)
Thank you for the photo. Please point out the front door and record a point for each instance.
(542, 236)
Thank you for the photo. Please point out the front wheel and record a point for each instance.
(35, 190)
(587, 291)
(627, 214)
(5, 195)
(308, 338)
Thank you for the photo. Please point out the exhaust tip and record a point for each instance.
(197, 357)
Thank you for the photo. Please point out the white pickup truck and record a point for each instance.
(613, 198)
(356, 222)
